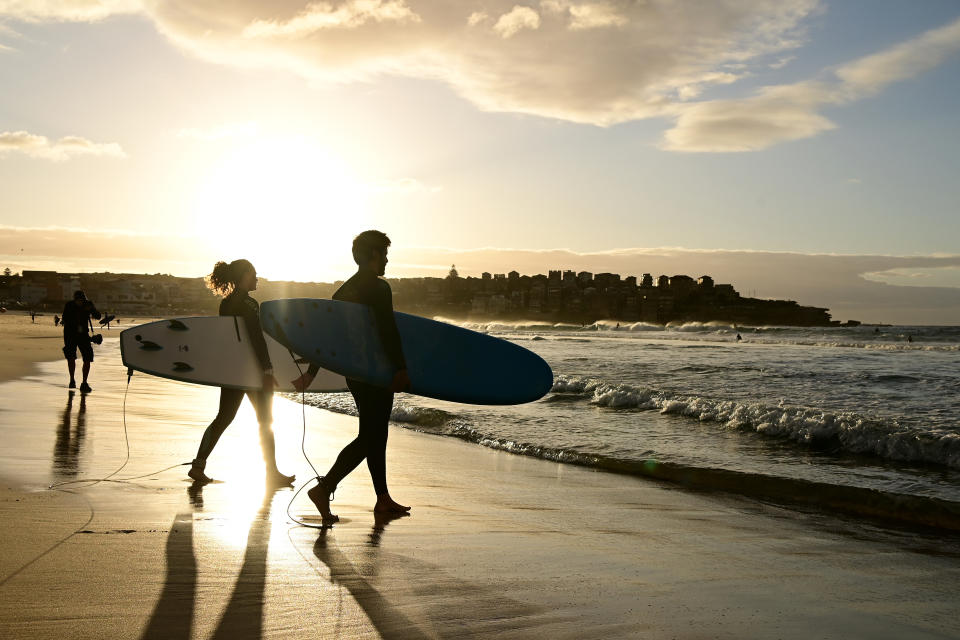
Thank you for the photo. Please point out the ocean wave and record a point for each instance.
(425, 417)
(861, 501)
(510, 325)
(845, 431)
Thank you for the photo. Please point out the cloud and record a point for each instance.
(600, 62)
(66, 10)
(63, 149)
(590, 15)
(319, 16)
(517, 19)
(782, 113)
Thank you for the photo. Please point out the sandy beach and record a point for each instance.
(24, 343)
(497, 545)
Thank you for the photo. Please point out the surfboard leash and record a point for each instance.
(126, 438)
(303, 450)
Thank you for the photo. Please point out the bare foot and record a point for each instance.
(386, 504)
(277, 479)
(320, 496)
(197, 475)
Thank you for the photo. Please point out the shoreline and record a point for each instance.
(497, 545)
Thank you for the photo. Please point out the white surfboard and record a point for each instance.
(215, 351)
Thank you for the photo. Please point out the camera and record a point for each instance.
(97, 338)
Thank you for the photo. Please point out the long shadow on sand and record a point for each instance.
(242, 619)
(173, 616)
(446, 606)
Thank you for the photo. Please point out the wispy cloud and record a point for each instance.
(600, 62)
(66, 10)
(787, 112)
(587, 15)
(319, 16)
(63, 149)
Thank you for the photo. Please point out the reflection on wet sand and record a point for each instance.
(389, 621)
(243, 617)
(66, 449)
(449, 607)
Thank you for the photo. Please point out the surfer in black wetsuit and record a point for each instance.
(235, 281)
(75, 321)
(374, 404)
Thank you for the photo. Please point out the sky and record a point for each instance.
(798, 149)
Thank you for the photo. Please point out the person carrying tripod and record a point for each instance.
(75, 321)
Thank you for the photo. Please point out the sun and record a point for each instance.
(286, 204)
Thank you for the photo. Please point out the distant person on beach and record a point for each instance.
(374, 404)
(33, 317)
(56, 320)
(235, 281)
(76, 320)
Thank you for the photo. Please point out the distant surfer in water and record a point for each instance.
(374, 404)
(235, 281)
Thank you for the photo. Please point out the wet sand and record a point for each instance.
(497, 545)
(24, 343)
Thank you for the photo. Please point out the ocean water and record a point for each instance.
(863, 419)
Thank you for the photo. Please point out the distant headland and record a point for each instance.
(559, 296)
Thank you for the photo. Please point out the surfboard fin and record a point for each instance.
(182, 366)
(176, 325)
(149, 345)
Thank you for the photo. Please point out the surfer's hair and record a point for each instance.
(367, 242)
(225, 276)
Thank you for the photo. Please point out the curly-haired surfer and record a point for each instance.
(235, 281)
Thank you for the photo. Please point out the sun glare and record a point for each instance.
(286, 204)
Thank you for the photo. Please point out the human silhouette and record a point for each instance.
(374, 404)
(235, 281)
(75, 320)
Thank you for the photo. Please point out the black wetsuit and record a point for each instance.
(75, 322)
(243, 306)
(374, 404)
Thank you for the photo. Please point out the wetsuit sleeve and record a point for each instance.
(251, 316)
(387, 326)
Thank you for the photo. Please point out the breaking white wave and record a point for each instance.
(847, 430)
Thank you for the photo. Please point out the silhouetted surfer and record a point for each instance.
(373, 403)
(235, 281)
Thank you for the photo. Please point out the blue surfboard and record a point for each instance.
(444, 361)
